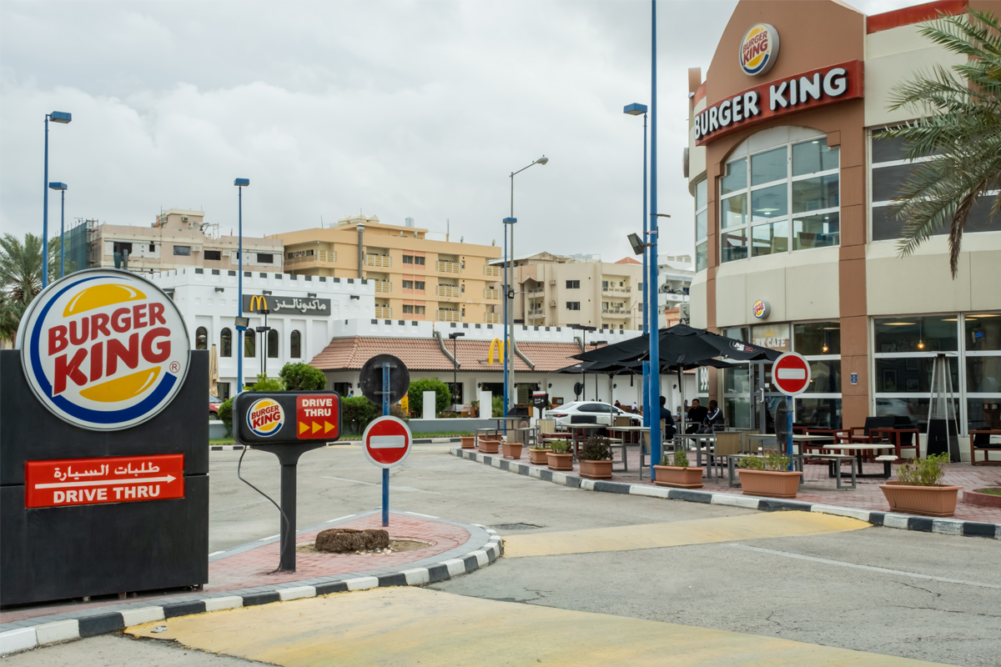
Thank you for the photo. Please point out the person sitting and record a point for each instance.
(714, 420)
(696, 416)
(618, 405)
(667, 418)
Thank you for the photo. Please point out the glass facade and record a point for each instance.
(701, 226)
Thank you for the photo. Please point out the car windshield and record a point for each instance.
(214, 399)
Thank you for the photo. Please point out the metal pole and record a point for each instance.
(45, 211)
(455, 366)
(239, 295)
(287, 560)
(655, 442)
(789, 432)
(646, 286)
(504, 347)
(62, 234)
(510, 314)
(385, 471)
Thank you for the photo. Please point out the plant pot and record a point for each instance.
(468, 441)
(679, 477)
(596, 469)
(772, 484)
(936, 500)
(489, 446)
(977, 497)
(537, 455)
(559, 461)
(511, 450)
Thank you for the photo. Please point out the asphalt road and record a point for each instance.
(879, 590)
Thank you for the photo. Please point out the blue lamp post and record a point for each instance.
(62, 226)
(56, 117)
(241, 321)
(636, 110)
(654, 356)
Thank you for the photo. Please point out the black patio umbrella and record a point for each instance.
(681, 344)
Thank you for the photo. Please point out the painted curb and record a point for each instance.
(46, 630)
(417, 441)
(886, 519)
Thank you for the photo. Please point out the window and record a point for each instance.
(122, 246)
(213, 254)
(201, 338)
(573, 284)
(573, 305)
(152, 248)
(408, 284)
(182, 250)
(701, 226)
(249, 350)
(419, 261)
(295, 341)
(226, 343)
(265, 258)
(224, 391)
(408, 259)
(273, 344)
(782, 199)
(419, 284)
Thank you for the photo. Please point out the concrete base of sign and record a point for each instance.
(429, 405)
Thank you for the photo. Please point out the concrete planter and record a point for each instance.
(679, 477)
(981, 499)
(596, 469)
(511, 450)
(768, 483)
(468, 441)
(925, 500)
(537, 455)
(489, 446)
(559, 461)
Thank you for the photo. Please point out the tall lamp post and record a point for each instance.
(455, 360)
(240, 183)
(654, 356)
(636, 110)
(263, 331)
(595, 345)
(509, 297)
(56, 117)
(62, 226)
(583, 328)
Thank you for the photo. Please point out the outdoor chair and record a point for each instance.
(547, 431)
(980, 441)
(727, 444)
(864, 434)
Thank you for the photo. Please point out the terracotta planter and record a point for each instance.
(559, 461)
(981, 499)
(924, 500)
(679, 477)
(537, 455)
(769, 483)
(596, 469)
(489, 446)
(511, 450)
(468, 442)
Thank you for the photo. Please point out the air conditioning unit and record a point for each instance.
(196, 248)
(552, 282)
(184, 218)
(552, 304)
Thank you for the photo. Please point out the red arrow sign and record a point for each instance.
(387, 441)
(112, 479)
(316, 417)
(791, 374)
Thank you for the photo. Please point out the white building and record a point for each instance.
(674, 277)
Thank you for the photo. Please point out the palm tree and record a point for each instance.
(21, 267)
(959, 123)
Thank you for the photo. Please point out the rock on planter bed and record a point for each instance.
(924, 500)
(596, 469)
(537, 455)
(559, 461)
(679, 477)
(768, 483)
(511, 450)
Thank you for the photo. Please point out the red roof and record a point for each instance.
(628, 260)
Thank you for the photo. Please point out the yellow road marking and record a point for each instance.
(413, 626)
(679, 533)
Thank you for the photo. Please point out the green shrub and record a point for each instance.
(358, 412)
(226, 415)
(559, 446)
(264, 383)
(442, 398)
(680, 459)
(772, 461)
(302, 377)
(923, 472)
(497, 409)
(596, 449)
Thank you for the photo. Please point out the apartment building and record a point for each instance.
(557, 290)
(674, 278)
(415, 277)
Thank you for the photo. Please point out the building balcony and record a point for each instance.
(535, 290)
(615, 314)
(383, 286)
(451, 291)
(491, 318)
(318, 257)
(378, 260)
(449, 316)
(383, 313)
(448, 267)
(491, 270)
(616, 290)
(493, 294)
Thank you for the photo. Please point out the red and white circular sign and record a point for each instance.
(387, 441)
(791, 374)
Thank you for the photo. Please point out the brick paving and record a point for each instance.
(818, 488)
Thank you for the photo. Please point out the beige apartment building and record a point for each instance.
(415, 278)
(557, 291)
(177, 239)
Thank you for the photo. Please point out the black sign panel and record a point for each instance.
(286, 417)
(370, 379)
(286, 305)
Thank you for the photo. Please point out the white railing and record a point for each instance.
(383, 286)
(491, 318)
(491, 294)
(324, 256)
(447, 291)
(491, 270)
(383, 313)
(447, 267)
(378, 260)
(449, 316)
(615, 289)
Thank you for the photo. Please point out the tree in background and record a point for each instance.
(264, 383)
(960, 124)
(442, 398)
(21, 277)
(302, 377)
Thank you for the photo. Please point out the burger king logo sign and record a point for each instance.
(265, 417)
(104, 349)
(759, 49)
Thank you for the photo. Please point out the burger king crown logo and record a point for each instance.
(758, 49)
(265, 417)
(104, 349)
(759, 309)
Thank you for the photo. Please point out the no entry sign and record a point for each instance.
(791, 374)
(112, 479)
(387, 441)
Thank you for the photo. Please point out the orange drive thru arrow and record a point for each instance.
(303, 426)
(327, 427)
(316, 427)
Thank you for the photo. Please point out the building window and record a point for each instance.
(295, 341)
(152, 248)
(274, 346)
(419, 285)
(408, 259)
(419, 261)
(573, 284)
(573, 305)
(413, 310)
(265, 258)
(201, 338)
(408, 284)
(784, 198)
(223, 391)
(122, 246)
(249, 350)
(226, 343)
(213, 254)
(182, 250)
(342, 388)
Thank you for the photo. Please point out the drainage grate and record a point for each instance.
(516, 526)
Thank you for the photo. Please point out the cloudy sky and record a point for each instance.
(399, 108)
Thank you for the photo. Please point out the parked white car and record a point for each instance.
(602, 412)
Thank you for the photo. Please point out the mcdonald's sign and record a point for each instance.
(287, 305)
(258, 302)
(497, 346)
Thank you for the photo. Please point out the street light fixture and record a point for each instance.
(62, 118)
(595, 345)
(583, 328)
(263, 331)
(640, 110)
(62, 226)
(455, 359)
(240, 183)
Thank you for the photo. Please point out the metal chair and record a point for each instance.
(727, 444)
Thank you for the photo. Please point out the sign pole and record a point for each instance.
(789, 432)
(286, 562)
(385, 471)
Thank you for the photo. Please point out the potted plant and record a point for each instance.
(678, 475)
(918, 491)
(537, 455)
(596, 458)
(511, 450)
(488, 444)
(559, 456)
(768, 475)
(468, 441)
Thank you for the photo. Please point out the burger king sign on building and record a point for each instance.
(759, 49)
(103, 349)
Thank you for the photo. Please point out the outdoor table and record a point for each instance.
(895, 436)
(639, 431)
(698, 438)
(859, 448)
(579, 432)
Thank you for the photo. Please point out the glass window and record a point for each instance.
(825, 377)
(265, 258)
(770, 166)
(274, 347)
(815, 194)
(816, 231)
(701, 225)
(887, 181)
(408, 259)
(736, 333)
(408, 284)
(935, 333)
(737, 412)
(573, 305)
(702, 256)
(736, 380)
(819, 412)
(983, 332)
(770, 203)
(775, 336)
(980, 219)
(573, 284)
(984, 414)
(701, 191)
(201, 338)
(419, 261)
(813, 156)
(815, 338)
(733, 245)
(770, 239)
(249, 350)
(908, 412)
(733, 211)
(735, 178)
(296, 343)
(910, 375)
(226, 343)
(213, 254)
(983, 375)
(184, 250)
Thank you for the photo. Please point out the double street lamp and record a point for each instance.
(62, 227)
(62, 118)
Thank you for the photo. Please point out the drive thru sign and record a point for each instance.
(387, 441)
(791, 374)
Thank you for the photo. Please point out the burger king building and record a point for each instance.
(794, 245)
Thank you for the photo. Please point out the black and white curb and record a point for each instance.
(46, 630)
(224, 448)
(887, 519)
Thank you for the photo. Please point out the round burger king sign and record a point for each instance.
(265, 417)
(759, 49)
(104, 349)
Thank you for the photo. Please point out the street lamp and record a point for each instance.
(595, 345)
(455, 360)
(62, 226)
(241, 183)
(584, 329)
(652, 369)
(640, 110)
(509, 344)
(56, 117)
(263, 331)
